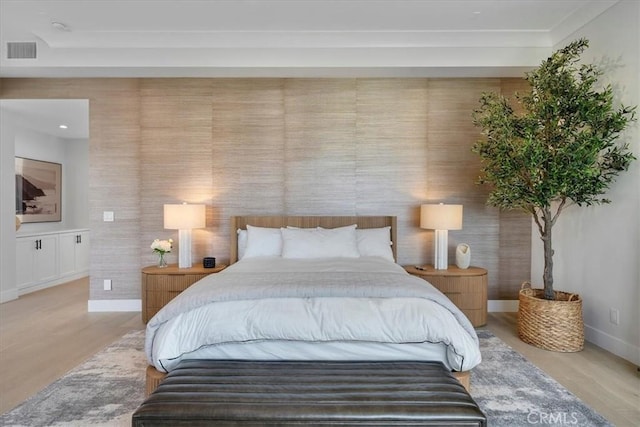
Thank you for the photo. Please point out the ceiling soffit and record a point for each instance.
(280, 38)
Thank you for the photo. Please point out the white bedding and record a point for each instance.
(363, 308)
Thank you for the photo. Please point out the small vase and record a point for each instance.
(162, 263)
(463, 256)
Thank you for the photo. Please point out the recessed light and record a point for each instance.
(60, 26)
(63, 127)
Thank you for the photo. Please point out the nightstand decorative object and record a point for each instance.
(466, 288)
(161, 285)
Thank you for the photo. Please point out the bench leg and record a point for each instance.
(465, 379)
(153, 379)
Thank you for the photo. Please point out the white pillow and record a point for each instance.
(242, 242)
(263, 242)
(375, 242)
(320, 242)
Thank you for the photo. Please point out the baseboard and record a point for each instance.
(98, 305)
(502, 305)
(595, 336)
(613, 344)
(9, 295)
(55, 282)
(74, 276)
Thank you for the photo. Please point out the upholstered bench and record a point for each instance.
(221, 393)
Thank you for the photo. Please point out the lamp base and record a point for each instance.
(184, 242)
(440, 250)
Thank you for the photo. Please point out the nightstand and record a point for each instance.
(161, 285)
(466, 288)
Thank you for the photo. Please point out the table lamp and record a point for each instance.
(184, 218)
(441, 218)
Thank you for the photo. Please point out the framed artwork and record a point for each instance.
(38, 190)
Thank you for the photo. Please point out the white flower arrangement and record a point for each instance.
(161, 246)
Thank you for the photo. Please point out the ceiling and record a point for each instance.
(174, 38)
(46, 116)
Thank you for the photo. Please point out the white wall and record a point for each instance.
(74, 157)
(8, 289)
(73, 154)
(75, 183)
(597, 249)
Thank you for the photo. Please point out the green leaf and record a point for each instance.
(562, 145)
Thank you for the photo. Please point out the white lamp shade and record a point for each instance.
(184, 217)
(441, 217)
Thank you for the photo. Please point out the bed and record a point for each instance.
(311, 288)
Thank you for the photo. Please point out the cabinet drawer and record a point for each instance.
(160, 299)
(466, 301)
(150, 312)
(466, 288)
(161, 285)
(476, 317)
(171, 283)
(457, 285)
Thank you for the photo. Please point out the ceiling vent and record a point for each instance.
(21, 50)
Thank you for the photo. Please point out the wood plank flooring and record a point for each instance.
(606, 382)
(45, 334)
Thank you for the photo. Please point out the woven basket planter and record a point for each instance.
(551, 325)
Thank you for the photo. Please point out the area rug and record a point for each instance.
(513, 392)
(107, 388)
(103, 391)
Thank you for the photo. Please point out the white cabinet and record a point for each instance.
(48, 259)
(74, 253)
(37, 260)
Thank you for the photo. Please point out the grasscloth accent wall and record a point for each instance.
(284, 146)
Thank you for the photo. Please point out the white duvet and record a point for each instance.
(322, 309)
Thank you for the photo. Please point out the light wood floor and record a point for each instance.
(607, 383)
(45, 334)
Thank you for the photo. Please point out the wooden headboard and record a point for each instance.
(240, 222)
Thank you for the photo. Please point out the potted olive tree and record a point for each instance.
(558, 147)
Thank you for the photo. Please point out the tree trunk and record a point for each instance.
(548, 257)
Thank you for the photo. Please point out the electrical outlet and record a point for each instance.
(108, 216)
(614, 316)
(107, 284)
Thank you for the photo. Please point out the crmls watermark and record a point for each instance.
(553, 418)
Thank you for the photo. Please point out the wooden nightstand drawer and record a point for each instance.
(467, 288)
(171, 283)
(457, 285)
(159, 299)
(476, 317)
(465, 301)
(161, 285)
